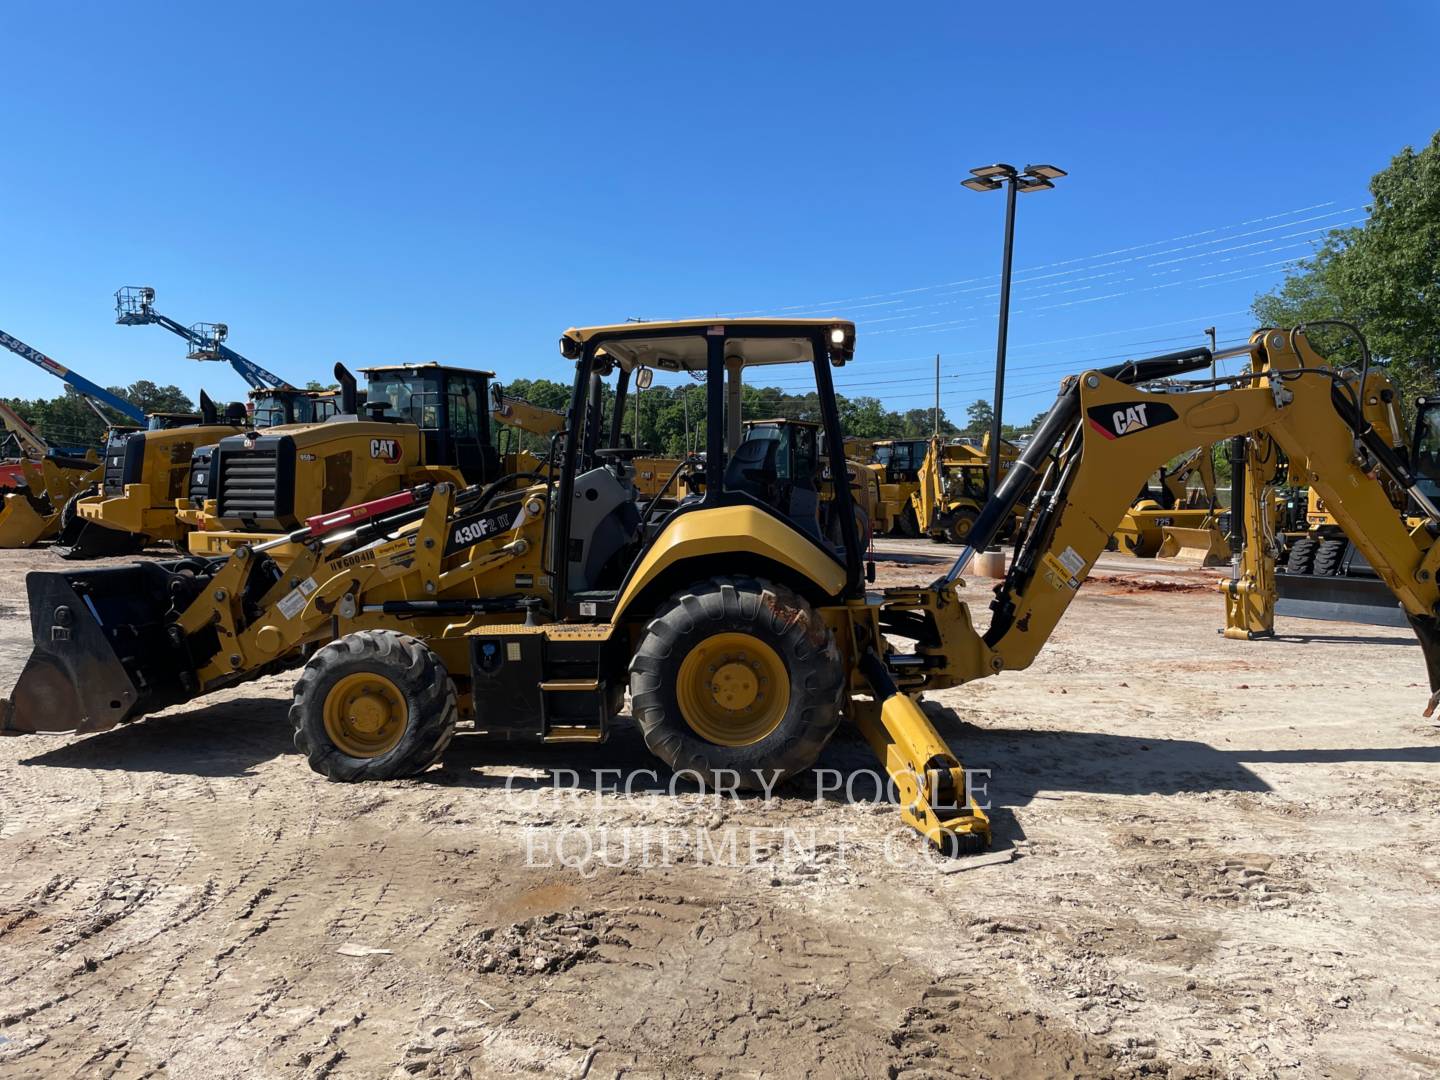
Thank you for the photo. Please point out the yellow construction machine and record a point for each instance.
(742, 632)
(651, 474)
(1180, 516)
(37, 485)
(954, 485)
(145, 474)
(419, 423)
(1321, 574)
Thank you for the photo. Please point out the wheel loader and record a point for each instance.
(133, 503)
(743, 634)
(1175, 518)
(419, 423)
(37, 485)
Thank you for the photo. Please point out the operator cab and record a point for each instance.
(603, 533)
(902, 459)
(1425, 447)
(450, 406)
(275, 407)
(167, 421)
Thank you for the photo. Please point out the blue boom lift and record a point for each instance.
(135, 306)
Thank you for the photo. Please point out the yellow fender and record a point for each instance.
(698, 534)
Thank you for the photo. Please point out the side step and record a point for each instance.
(541, 683)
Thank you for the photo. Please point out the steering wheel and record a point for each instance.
(621, 453)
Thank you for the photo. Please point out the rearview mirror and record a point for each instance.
(643, 378)
(497, 398)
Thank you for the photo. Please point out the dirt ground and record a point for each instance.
(1213, 858)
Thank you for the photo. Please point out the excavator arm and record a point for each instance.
(1105, 435)
(521, 414)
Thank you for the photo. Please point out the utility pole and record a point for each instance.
(937, 395)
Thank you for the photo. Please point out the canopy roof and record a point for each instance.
(682, 345)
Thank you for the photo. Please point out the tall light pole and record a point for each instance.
(993, 178)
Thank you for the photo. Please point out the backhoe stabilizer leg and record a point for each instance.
(934, 792)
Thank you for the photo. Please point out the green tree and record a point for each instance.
(1383, 275)
(153, 399)
(979, 416)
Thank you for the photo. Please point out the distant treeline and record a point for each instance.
(672, 418)
(67, 420)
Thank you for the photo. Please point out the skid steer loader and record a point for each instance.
(743, 635)
(133, 503)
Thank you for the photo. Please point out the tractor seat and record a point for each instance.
(752, 469)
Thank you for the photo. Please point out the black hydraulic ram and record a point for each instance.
(1058, 421)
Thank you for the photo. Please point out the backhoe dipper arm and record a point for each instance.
(1105, 436)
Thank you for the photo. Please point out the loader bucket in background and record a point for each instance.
(1365, 600)
(21, 525)
(1207, 547)
(83, 539)
(102, 652)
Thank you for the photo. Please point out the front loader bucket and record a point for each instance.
(84, 539)
(103, 652)
(1206, 547)
(21, 525)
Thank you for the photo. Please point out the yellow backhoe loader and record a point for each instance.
(743, 634)
(954, 485)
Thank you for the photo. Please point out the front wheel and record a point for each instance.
(738, 681)
(373, 705)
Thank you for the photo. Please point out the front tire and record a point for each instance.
(737, 677)
(374, 705)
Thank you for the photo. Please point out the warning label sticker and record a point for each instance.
(292, 603)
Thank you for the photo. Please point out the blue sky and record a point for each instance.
(373, 183)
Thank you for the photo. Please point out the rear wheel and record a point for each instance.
(70, 510)
(1328, 557)
(737, 678)
(1301, 558)
(373, 705)
(907, 524)
(958, 531)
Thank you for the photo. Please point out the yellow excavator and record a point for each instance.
(743, 633)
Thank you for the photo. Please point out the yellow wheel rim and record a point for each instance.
(733, 689)
(365, 715)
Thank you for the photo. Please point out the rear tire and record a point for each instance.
(374, 705)
(70, 510)
(1301, 559)
(958, 531)
(1328, 558)
(701, 649)
(907, 524)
